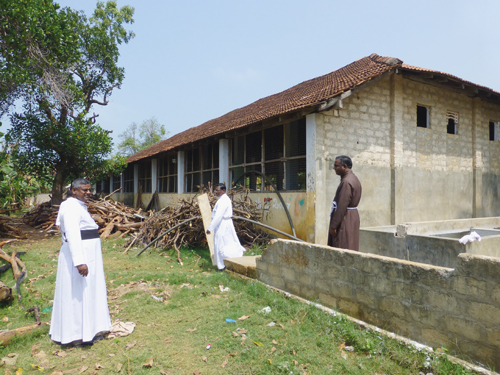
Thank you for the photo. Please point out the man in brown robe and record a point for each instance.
(344, 218)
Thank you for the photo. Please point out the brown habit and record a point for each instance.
(345, 220)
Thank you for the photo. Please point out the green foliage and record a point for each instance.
(35, 38)
(56, 131)
(136, 138)
(113, 166)
(15, 187)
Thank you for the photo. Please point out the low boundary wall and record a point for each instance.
(455, 308)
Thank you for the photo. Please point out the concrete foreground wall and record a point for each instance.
(456, 308)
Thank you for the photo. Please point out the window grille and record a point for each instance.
(202, 166)
(278, 152)
(452, 127)
(128, 179)
(145, 179)
(117, 182)
(167, 174)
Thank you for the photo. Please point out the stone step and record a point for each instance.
(245, 266)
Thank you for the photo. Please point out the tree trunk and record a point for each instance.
(57, 187)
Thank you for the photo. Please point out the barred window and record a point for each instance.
(107, 186)
(278, 152)
(128, 179)
(202, 166)
(167, 174)
(117, 182)
(145, 178)
(452, 127)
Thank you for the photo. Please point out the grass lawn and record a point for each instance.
(171, 336)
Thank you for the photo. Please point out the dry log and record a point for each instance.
(15, 268)
(6, 336)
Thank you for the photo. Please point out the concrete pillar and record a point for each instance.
(180, 172)
(316, 171)
(136, 178)
(154, 175)
(477, 163)
(224, 163)
(397, 127)
(111, 182)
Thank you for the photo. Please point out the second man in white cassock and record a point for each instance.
(227, 244)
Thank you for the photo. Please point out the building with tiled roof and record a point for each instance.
(425, 145)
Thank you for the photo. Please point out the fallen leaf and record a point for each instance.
(275, 342)
(19, 371)
(271, 362)
(111, 355)
(304, 366)
(233, 354)
(205, 359)
(243, 338)
(224, 364)
(293, 351)
(119, 367)
(83, 369)
(60, 353)
(98, 366)
(149, 363)
(131, 345)
(191, 329)
(242, 331)
(9, 361)
(235, 334)
(244, 317)
(282, 326)
(197, 372)
(258, 343)
(291, 321)
(273, 349)
(12, 355)
(342, 346)
(5, 319)
(295, 362)
(34, 348)
(163, 372)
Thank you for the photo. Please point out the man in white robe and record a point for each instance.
(227, 244)
(80, 309)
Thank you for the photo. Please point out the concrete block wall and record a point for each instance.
(456, 308)
(410, 173)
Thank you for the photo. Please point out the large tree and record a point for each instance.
(57, 131)
(36, 39)
(136, 138)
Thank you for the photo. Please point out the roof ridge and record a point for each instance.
(389, 61)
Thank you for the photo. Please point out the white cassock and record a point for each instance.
(80, 309)
(227, 244)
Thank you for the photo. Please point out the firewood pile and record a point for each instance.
(192, 234)
(8, 228)
(114, 218)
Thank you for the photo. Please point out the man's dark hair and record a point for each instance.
(345, 160)
(79, 182)
(222, 186)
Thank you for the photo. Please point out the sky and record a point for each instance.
(195, 60)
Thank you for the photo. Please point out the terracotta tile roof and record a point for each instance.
(450, 76)
(303, 95)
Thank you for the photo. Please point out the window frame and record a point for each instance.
(254, 181)
(427, 116)
(168, 180)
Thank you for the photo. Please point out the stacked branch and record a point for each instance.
(192, 234)
(8, 228)
(114, 218)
